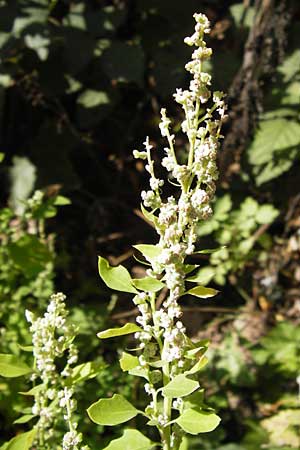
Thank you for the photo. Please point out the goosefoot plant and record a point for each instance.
(166, 357)
(54, 377)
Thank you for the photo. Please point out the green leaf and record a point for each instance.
(91, 98)
(249, 208)
(290, 66)
(129, 328)
(209, 251)
(24, 419)
(131, 440)
(11, 366)
(2, 155)
(117, 278)
(198, 366)
(92, 107)
(184, 444)
(148, 215)
(33, 391)
(85, 371)
(239, 12)
(202, 292)
(112, 411)
(148, 284)
(22, 441)
(188, 268)
(207, 227)
(203, 276)
(195, 422)
(60, 200)
(274, 148)
(180, 386)
(128, 362)
(194, 401)
(26, 348)
(139, 371)
(149, 251)
(266, 214)
(29, 255)
(222, 207)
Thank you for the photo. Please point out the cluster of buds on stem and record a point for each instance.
(176, 217)
(52, 340)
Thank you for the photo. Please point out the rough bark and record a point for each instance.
(263, 51)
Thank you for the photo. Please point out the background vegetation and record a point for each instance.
(81, 84)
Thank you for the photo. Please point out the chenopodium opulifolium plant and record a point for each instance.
(166, 357)
(54, 377)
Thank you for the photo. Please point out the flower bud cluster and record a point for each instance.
(52, 339)
(176, 218)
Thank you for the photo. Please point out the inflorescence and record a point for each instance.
(52, 339)
(176, 219)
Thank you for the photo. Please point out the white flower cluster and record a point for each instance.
(52, 339)
(176, 218)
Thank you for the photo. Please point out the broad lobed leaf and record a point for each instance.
(112, 411)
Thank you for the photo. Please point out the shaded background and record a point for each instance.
(81, 85)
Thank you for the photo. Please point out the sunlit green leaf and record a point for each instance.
(91, 98)
(131, 440)
(24, 419)
(148, 215)
(117, 278)
(60, 200)
(195, 422)
(184, 444)
(112, 411)
(149, 251)
(198, 366)
(85, 371)
(11, 366)
(148, 284)
(29, 255)
(180, 386)
(240, 12)
(202, 292)
(274, 148)
(208, 251)
(33, 391)
(203, 276)
(129, 328)
(128, 362)
(22, 441)
(139, 371)
(266, 214)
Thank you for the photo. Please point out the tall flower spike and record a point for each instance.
(176, 220)
(52, 339)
